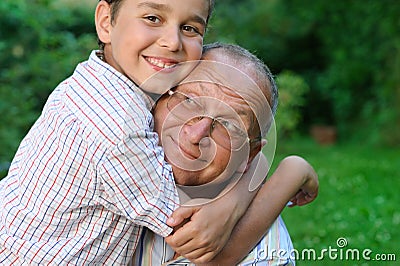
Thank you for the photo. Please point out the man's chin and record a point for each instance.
(181, 177)
(185, 181)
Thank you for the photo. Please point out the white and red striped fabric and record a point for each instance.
(87, 177)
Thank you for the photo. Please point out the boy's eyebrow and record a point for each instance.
(155, 6)
(167, 8)
(198, 19)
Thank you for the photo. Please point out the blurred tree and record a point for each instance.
(39, 46)
(292, 91)
(347, 51)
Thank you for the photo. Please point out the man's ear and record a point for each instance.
(257, 149)
(253, 154)
(103, 21)
(244, 165)
(263, 143)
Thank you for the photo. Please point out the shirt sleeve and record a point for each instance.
(136, 181)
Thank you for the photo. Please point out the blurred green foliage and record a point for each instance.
(343, 56)
(40, 44)
(347, 51)
(292, 91)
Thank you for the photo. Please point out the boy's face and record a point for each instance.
(151, 35)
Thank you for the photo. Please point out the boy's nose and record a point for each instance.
(171, 39)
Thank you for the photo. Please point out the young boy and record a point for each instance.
(90, 175)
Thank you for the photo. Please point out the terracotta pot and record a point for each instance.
(324, 135)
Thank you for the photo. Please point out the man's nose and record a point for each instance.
(199, 128)
(171, 38)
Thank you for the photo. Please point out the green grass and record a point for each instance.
(358, 200)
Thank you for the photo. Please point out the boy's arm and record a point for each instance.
(294, 176)
(211, 225)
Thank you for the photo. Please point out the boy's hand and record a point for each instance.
(202, 237)
(306, 194)
(309, 189)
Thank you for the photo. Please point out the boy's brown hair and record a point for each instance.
(115, 5)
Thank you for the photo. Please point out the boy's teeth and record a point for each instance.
(159, 63)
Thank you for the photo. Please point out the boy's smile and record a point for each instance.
(151, 35)
(160, 64)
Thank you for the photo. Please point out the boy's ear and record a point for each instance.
(103, 21)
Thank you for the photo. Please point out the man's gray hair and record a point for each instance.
(240, 56)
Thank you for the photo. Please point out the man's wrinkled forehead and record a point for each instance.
(205, 88)
(216, 98)
(224, 76)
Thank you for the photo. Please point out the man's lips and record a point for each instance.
(189, 154)
(161, 63)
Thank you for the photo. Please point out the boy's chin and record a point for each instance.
(165, 79)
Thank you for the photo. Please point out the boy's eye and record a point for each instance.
(153, 19)
(191, 29)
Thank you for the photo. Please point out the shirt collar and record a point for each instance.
(110, 73)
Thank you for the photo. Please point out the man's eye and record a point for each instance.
(227, 124)
(192, 104)
(189, 100)
(230, 125)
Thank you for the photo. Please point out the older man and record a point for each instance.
(211, 128)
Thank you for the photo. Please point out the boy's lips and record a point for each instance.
(161, 63)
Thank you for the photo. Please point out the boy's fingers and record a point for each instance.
(192, 250)
(179, 215)
(180, 241)
(201, 258)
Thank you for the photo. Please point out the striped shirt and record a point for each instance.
(274, 249)
(88, 176)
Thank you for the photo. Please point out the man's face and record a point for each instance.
(152, 35)
(198, 143)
